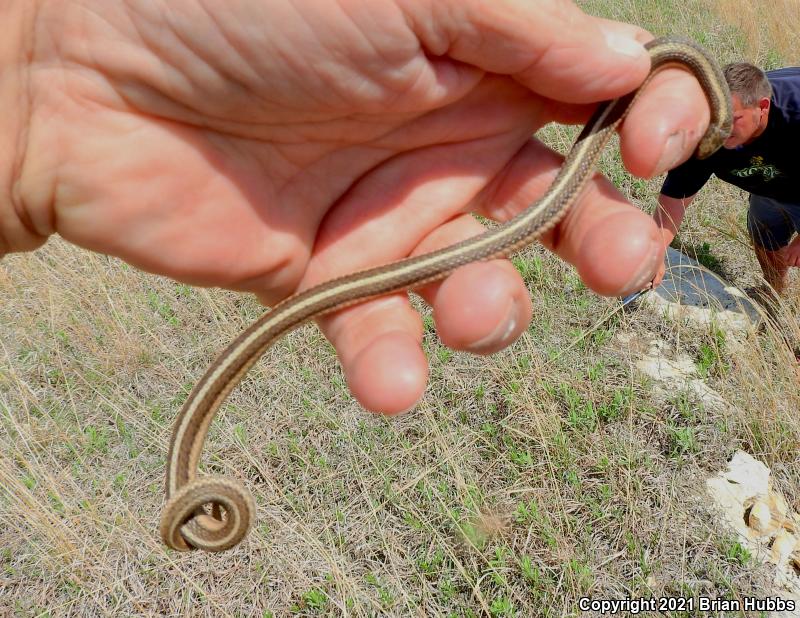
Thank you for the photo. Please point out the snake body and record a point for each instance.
(193, 515)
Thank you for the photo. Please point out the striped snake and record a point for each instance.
(193, 516)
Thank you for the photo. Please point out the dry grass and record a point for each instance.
(771, 32)
(520, 483)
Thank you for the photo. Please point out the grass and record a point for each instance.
(520, 482)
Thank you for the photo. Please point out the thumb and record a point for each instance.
(550, 46)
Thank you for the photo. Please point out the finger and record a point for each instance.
(550, 45)
(662, 130)
(379, 344)
(659, 277)
(614, 246)
(387, 214)
(382, 220)
(482, 307)
(666, 123)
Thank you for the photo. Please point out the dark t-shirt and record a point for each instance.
(769, 166)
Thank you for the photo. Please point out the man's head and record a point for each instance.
(750, 93)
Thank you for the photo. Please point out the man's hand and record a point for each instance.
(269, 145)
(791, 253)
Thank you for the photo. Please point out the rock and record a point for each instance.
(782, 546)
(760, 516)
(677, 375)
(745, 479)
(763, 520)
(691, 291)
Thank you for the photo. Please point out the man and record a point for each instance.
(760, 156)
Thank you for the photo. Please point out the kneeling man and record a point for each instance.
(760, 156)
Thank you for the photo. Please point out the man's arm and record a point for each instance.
(668, 217)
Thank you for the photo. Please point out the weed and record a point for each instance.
(502, 606)
(735, 552)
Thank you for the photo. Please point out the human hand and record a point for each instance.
(267, 145)
(791, 253)
(661, 270)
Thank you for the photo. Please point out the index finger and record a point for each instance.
(550, 46)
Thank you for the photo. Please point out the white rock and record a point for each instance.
(760, 516)
(677, 374)
(773, 524)
(782, 546)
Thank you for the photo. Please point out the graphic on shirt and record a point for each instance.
(757, 166)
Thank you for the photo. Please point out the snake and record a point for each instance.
(214, 513)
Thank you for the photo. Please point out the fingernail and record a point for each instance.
(622, 44)
(672, 153)
(502, 335)
(646, 271)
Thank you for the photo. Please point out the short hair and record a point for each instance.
(748, 82)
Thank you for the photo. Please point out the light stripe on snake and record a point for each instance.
(185, 524)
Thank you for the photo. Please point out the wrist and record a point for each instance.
(16, 231)
(666, 229)
(667, 236)
(667, 223)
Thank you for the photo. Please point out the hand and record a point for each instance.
(791, 253)
(268, 145)
(660, 271)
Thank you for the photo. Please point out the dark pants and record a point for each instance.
(772, 223)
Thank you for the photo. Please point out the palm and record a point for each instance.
(240, 183)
